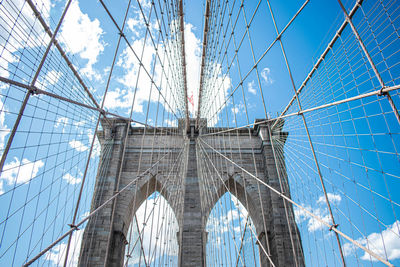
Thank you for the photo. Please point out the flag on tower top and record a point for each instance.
(191, 100)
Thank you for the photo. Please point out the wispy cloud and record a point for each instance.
(321, 211)
(156, 236)
(83, 36)
(78, 145)
(11, 43)
(266, 75)
(17, 172)
(250, 87)
(4, 130)
(71, 179)
(57, 254)
(170, 122)
(385, 244)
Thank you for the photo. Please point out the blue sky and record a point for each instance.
(357, 143)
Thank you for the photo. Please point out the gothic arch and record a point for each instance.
(234, 184)
(156, 224)
(146, 188)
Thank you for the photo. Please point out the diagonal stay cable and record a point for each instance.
(322, 57)
(279, 36)
(32, 83)
(354, 242)
(137, 57)
(179, 158)
(219, 176)
(116, 194)
(94, 138)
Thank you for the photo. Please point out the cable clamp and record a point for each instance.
(73, 226)
(122, 34)
(381, 92)
(33, 90)
(333, 226)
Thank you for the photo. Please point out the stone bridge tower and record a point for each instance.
(191, 212)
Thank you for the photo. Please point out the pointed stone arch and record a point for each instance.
(252, 152)
(232, 215)
(145, 189)
(241, 189)
(156, 223)
(234, 185)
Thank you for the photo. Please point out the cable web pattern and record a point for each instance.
(287, 131)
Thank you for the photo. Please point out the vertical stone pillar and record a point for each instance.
(278, 235)
(192, 238)
(95, 237)
(192, 241)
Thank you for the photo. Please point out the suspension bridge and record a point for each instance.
(199, 133)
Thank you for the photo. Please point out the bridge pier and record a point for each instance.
(192, 242)
(184, 196)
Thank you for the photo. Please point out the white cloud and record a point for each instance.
(171, 123)
(250, 87)
(17, 172)
(51, 78)
(130, 65)
(233, 221)
(165, 229)
(83, 37)
(217, 88)
(385, 244)
(57, 254)
(4, 130)
(96, 146)
(6, 58)
(320, 211)
(266, 75)
(118, 99)
(193, 62)
(163, 77)
(235, 110)
(11, 42)
(62, 122)
(78, 145)
(84, 215)
(135, 25)
(71, 179)
(333, 199)
(10, 35)
(79, 123)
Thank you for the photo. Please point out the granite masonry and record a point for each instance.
(247, 147)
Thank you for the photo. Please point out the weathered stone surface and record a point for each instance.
(251, 149)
